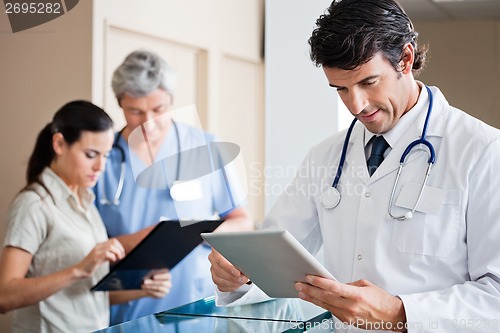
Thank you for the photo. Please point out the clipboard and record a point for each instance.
(163, 248)
(272, 259)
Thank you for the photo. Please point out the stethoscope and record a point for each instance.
(121, 180)
(330, 197)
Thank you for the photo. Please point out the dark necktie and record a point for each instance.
(379, 146)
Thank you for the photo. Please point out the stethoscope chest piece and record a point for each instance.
(330, 197)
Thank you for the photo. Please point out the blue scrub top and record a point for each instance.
(141, 207)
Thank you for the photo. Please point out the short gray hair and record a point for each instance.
(141, 73)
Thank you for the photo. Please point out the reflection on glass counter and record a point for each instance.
(279, 315)
(286, 309)
(226, 325)
(187, 324)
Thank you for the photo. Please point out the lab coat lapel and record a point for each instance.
(356, 158)
(437, 123)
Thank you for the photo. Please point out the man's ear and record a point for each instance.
(407, 59)
(58, 143)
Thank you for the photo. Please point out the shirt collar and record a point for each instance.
(60, 191)
(406, 121)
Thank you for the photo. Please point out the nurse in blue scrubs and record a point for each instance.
(143, 85)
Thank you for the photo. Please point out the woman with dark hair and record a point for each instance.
(56, 247)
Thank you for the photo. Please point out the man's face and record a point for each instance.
(374, 92)
(146, 111)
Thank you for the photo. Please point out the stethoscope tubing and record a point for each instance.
(344, 154)
(121, 181)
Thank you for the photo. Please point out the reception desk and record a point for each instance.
(280, 315)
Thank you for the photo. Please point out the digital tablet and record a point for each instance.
(163, 248)
(272, 259)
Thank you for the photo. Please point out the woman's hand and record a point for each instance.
(158, 285)
(110, 250)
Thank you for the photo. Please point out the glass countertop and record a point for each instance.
(288, 315)
(284, 309)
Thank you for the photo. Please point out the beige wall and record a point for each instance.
(465, 64)
(41, 69)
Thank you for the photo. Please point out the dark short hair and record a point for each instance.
(352, 32)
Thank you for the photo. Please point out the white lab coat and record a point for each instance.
(444, 263)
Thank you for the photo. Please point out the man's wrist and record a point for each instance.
(400, 315)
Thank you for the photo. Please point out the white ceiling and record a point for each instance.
(452, 9)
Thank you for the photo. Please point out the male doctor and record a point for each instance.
(434, 270)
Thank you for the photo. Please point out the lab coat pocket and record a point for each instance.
(433, 230)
